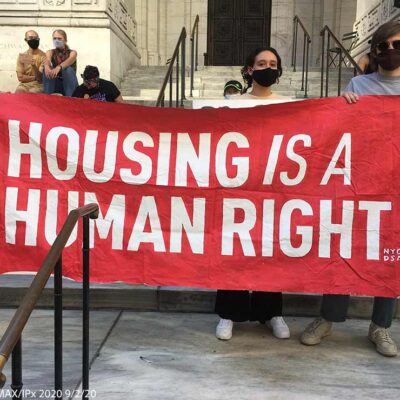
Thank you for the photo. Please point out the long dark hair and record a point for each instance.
(383, 33)
(249, 63)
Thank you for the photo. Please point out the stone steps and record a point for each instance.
(142, 84)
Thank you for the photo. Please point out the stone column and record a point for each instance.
(153, 23)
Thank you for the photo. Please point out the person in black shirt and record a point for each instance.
(95, 88)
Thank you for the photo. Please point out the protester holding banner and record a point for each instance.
(262, 69)
(385, 51)
(60, 67)
(30, 66)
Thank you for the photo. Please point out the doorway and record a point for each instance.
(235, 27)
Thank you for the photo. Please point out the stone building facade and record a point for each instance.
(118, 34)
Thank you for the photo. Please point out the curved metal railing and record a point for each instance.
(180, 50)
(344, 58)
(11, 340)
(194, 52)
(306, 52)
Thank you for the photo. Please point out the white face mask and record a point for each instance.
(230, 96)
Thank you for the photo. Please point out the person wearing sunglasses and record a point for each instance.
(60, 67)
(30, 66)
(95, 88)
(385, 51)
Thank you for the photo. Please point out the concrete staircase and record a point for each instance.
(141, 84)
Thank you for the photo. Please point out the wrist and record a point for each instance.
(61, 67)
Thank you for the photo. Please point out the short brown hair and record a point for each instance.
(383, 33)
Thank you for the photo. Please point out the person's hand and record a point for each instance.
(54, 72)
(48, 72)
(350, 97)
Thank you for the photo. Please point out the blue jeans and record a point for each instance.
(64, 85)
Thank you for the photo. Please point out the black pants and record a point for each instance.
(334, 308)
(241, 305)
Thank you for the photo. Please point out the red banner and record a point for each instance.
(296, 197)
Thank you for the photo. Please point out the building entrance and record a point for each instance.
(235, 27)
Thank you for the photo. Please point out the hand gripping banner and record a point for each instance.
(295, 197)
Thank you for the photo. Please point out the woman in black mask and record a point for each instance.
(261, 71)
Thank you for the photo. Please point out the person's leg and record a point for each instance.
(381, 320)
(70, 81)
(265, 305)
(21, 88)
(49, 85)
(383, 311)
(334, 307)
(36, 89)
(233, 305)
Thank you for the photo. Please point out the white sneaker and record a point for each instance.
(279, 328)
(224, 329)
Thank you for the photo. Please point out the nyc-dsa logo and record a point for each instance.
(391, 254)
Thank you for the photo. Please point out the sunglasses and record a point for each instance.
(385, 45)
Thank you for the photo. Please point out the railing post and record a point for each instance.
(197, 47)
(170, 89)
(177, 80)
(191, 66)
(340, 71)
(327, 66)
(85, 306)
(58, 330)
(295, 46)
(16, 368)
(307, 62)
(304, 61)
(183, 70)
(322, 64)
(294, 22)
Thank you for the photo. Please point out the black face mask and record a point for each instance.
(266, 77)
(389, 59)
(33, 43)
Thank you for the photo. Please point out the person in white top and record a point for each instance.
(261, 71)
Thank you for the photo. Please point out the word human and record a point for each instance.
(140, 158)
(151, 227)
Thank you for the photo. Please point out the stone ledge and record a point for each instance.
(153, 298)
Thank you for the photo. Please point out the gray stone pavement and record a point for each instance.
(165, 356)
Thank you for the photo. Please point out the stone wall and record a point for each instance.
(339, 15)
(160, 23)
(103, 32)
(370, 15)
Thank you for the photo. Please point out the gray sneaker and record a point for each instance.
(316, 331)
(385, 345)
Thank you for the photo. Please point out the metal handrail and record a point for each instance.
(306, 52)
(194, 56)
(12, 337)
(343, 54)
(168, 77)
